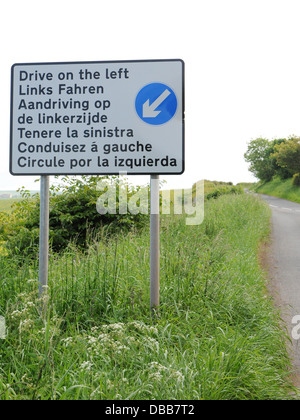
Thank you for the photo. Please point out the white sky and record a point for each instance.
(241, 57)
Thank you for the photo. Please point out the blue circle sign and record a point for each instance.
(156, 103)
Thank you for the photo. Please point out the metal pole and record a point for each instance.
(44, 235)
(154, 243)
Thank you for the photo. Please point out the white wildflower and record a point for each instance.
(109, 384)
(158, 366)
(66, 342)
(94, 329)
(177, 375)
(115, 327)
(16, 314)
(157, 376)
(86, 366)
(26, 324)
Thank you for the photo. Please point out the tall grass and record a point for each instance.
(217, 335)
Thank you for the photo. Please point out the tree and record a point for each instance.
(258, 155)
(263, 164)
(282, 172)
(287, 155)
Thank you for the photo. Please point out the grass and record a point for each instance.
(217, 335)
(281, 189)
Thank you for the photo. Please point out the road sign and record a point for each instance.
(156, 103)
(98, 118)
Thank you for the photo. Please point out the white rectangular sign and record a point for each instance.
(97, 118)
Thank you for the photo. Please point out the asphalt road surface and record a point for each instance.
(283, 262)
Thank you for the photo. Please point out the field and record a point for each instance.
(216, 335)
(7, 203)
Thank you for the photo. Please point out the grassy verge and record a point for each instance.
(281, 189)
(217, 336)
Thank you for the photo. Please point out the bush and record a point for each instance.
(223, 191)
(73, 216)
(296, 180)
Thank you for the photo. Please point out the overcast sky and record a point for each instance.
(241, 57)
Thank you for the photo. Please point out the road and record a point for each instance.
(283, 262)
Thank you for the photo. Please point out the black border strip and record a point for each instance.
(97, 62)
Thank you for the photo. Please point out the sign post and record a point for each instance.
(44, 236)
(98, 118)
(154, 243)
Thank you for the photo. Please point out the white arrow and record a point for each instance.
(149, 110)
